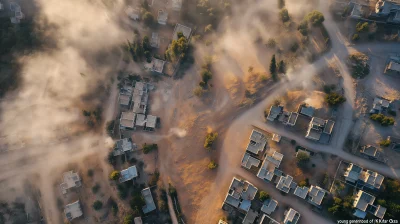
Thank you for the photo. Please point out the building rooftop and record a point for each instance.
(267, 169)
(162, 17)
(329, 127)
(148, 199)
(155, 40)
(292, 118)
(269, 206)
(353, 172)
(369, 150)
(240, 194)
(373, 179)
(151, 121)
(301, 192)
(73, 211)
(250, 217)
(158, 65)
(140, 120)
(285, 183)
(124, 99)
(291, 217)
(316, 195)
(127, 119)
(122, 146)
(138, 220)
(307, 110)
(186, 31)
(257, 142)
(393, 65)
(362, 200)
(276, 138)
(176, 5)
(128, 174)
(140, 98)
(265, 219)
(70, 180)
(274, 112)
(248, 161)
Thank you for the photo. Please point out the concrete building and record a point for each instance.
(285, 183)
(123, 146)
(157, 65)
(320, 129)
(148, 199)
(127, 120)
(292, 119)
(316, 195)
(276, 138)
(155, 40)
(379, 105)
(394, 65)
(132, 13)
(356, 175)
(269, 165)
(162, 17)
(364, 203)
(265, 219)
(250, 217)
(274, 113)
(248, 161)
(306, 110)
(179, 28)
(269, 206)
(140, 98)
(291, 216)
(151, 123)
(138, 220)
(128, 174)
(176, 5)
(70, 180)
(257, 143)
(240, 195)
(301, 192)
(73, 211)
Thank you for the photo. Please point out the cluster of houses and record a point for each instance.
(135, 100)
(384, 11)
(71, 180)
(240, 196)
(319, 129)
(364, 180)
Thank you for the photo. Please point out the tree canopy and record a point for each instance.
(316, 18)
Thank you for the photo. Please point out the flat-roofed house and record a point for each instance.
(155, 40)
(379, 105)
(176, 5)
(307, 110)
(269, 165)
(138, 220)
(140, 98)
(250, 217)
(301, 192)
(319, 127)
(371, 179)
(179, 28)
(132, 13)
(162, 17)
(292, 119)
(248, 161)
(316, 195)
(291, 216)
(148, 199)
(269, 206)
(127, 120)
(240, 195)
(73, 211)
(157, 65)
(128, 174)
(151, 123)
(124, 99)
(123, 146)
(352, 173)
(257, 143)
(393, 66)
(285, 183)
(274, 112)
(140, 120)
(364, 202)
(70, 180)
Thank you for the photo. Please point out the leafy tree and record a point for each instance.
(212, 165)
(137, 201)
(90, 172)
(334, 99)
(303, 28)
(210, 139)
(146, 43)
(154, 178)
(271, 43)
(281, 67)
(177, 48)
(302, 158)
(355, 37)
(272, 67)
(115, 175)
(382, 119)
(264, 196)
(128, 219)
(149, 147)
(97, 205)
(281, 4)
(316, 18)
(362, 27)
(284, 15)
(148, 18)
(199, 91)
(385, 142)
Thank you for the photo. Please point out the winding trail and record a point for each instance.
(231, 152)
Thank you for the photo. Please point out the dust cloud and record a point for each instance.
(41, 123)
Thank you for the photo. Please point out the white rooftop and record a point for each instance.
(266, 171)
(240, 194)
(140, 120)
(151, 121)
(127, 119)
(269, 206)
(157, 65)
(148, 198)
(70, 180)
(301, 192)
(73, 211)
(257, 142)
(362, 200)
(128, 174)
(291, 217)
(316, 195)
(248, 161)
(181, 28)
(122, 146)
(284, 183)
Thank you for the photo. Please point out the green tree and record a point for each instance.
(128, 219)
(362, 27)
(281, 4)
(316, 18)
(212, 165)
(148, 18)
(272, 67)
(355, 37)
(210, 139)
(115, 175)
(385, 142)
(302, 158)
(97, 205)
(334, 99)
(284, 15)
(149, 147)
(281, 67)
(303, 28)
(264, 196)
